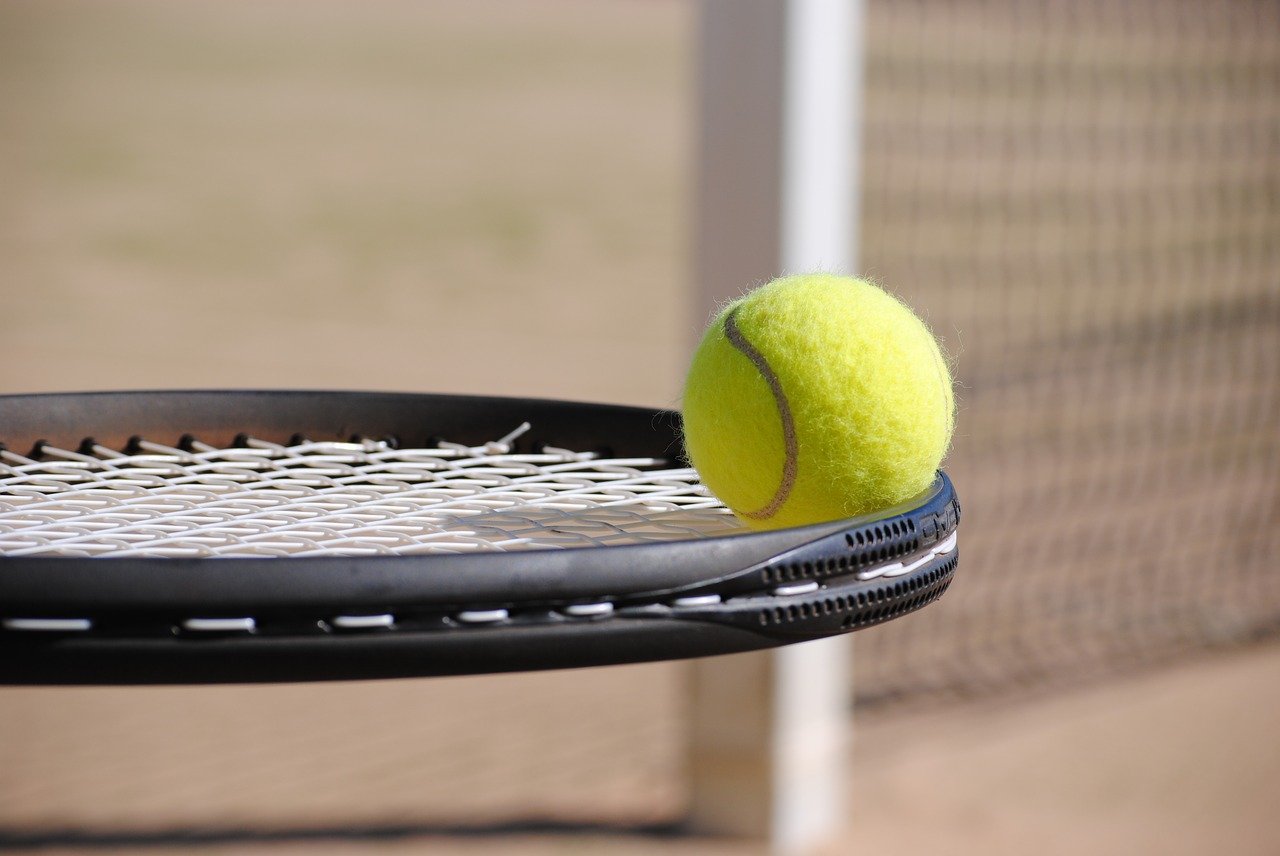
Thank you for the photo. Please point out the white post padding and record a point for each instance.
(779, 101)
(813, 694)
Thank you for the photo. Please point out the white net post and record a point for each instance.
(779, 95)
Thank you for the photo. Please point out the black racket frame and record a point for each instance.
(665, 600)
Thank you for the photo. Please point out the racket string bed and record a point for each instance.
(365, 497)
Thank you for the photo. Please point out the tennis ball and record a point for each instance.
(814, 398)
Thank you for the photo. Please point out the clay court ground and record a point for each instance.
(497, 201)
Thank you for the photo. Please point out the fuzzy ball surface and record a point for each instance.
(817, 397)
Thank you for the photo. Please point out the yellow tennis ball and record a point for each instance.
(817, 397)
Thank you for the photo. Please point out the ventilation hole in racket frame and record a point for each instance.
(880, 604)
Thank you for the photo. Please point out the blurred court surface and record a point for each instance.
(495, 198)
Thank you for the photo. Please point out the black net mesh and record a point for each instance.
(1084, 199)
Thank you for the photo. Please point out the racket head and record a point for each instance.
(90, 619)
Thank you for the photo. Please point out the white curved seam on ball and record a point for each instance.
(789, 464)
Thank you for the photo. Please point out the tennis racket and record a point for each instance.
(203, 537)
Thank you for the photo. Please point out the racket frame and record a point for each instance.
(200, 620)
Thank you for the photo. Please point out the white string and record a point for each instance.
(365, 498)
